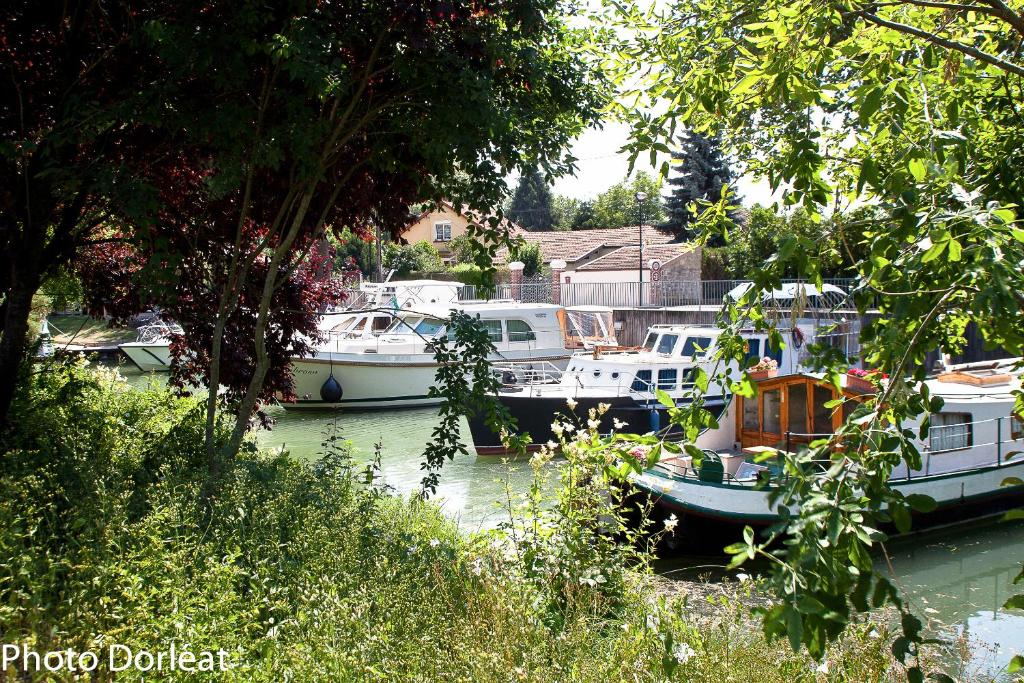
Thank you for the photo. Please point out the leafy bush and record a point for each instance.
(420, 256)
(530, 255)
(307, 571)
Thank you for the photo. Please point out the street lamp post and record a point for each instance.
(640, 197)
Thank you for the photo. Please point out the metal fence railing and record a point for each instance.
(664, 293)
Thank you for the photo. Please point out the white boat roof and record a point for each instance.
(790, 290)
(410, 284)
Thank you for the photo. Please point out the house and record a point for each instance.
(613, 254)
(603, 265)
(441, 224)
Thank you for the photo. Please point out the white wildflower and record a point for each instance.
(603, 408)
(617, 423)
(743, 578)
(683, 652)
(557, 428)
(671, 522)
(653, 622)
(823, 667)
(571, 402)
(569, 427)
(477, 566)
(593, 424)
(551, 445)
(434, 542)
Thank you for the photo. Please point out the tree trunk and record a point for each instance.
(14, 343)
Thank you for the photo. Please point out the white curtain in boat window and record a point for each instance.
(950, 431)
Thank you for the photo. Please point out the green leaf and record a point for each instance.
(921, 502)
(664, 399)
(794, 628)
(1015, 602)
(1015, 664)
(918, 169)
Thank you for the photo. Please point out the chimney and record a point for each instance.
(557, 266)
(515, 279)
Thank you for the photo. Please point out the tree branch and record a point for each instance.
(944, 42)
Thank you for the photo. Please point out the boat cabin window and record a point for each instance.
(519, 331)
(381, 323)
(788, 412)
(753, 347)
(493, 328)
(343, 326)
(649, 342)
(427, 327)
(695, 347)
(667, 343)
(642, 382)
(667, 379)
(950, 432)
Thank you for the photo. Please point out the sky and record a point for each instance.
(601, 165)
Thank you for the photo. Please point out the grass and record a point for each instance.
(87, 331)
(306, 572)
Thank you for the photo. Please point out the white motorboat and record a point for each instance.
(965, 455)
(151, 349)
(397, 368)
(625, 380)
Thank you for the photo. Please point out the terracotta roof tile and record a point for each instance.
(574, 245)
(628, 258)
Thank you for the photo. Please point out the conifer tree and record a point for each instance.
(531, 203)
(701, 172)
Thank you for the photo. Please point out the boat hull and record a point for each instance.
(534, 415)
(718, 512)
(385, 382)
(148, 357)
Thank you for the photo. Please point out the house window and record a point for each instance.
(493, 328)
(520, 331)
(950, 432)
(667, 379)
(442, 232)
(642, 382)
(1016, 427)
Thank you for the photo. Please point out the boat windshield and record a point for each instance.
(427, 327)
(667, 343)
(649, 342)
(345, 323)
(696, 347)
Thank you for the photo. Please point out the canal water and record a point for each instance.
(958, 580)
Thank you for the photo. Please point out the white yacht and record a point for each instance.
(151, 349)
(397, 367)
(965, 456)
(626, 380)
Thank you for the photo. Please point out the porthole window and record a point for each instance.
(597, 373)
(615, 375)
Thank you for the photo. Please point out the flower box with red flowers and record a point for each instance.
(864, 381)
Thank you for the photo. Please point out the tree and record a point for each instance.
(529, 254)
(911, 108)
(74, 75)
(531, 204)
(565, 211)
(617, 207)
(420, 257)
(288, 119)
(352, 250)
(700, 173)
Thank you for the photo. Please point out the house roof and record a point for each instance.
(572, 246)
(628, 258)
(472, 216)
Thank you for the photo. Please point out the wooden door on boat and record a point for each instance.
(788, 412)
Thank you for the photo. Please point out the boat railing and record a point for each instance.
(526, 373)
(157, 331)
(1006, 430)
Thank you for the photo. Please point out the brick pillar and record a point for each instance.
(557, 266)
(515, 279)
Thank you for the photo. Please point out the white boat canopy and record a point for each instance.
(789, 290)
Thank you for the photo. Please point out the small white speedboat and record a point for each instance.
(151, 350)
